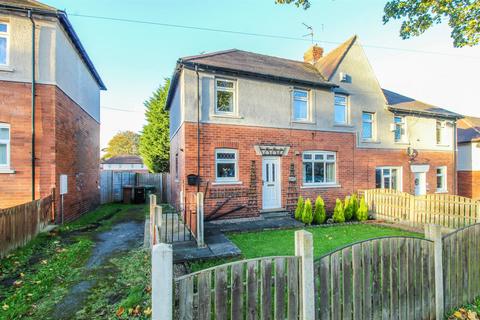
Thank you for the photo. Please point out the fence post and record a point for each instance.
(153, 203)
(200, 213)
(434, 233)
(162, 282)
(304, 249)
(158, 225)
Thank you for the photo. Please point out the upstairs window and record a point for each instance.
(300, 105)
(226, 165)
(388, 178)
(367, 125)
(3, 43)
(319, 167)
(341, 109)
(442, 179)
(400, 129)
(4, 145)
(440, 132)
(225, 96)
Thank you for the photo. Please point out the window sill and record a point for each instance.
(303, 122)
(6, 69)
(442, 145)
(441, 191)
(343, 125)
(6, 171)
(222, 183)
(402, 143)
(320, 186)
(231, 116)
(370, 141)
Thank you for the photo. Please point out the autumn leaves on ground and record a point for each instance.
(93, 268)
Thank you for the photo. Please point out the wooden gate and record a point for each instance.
(266, 288)
(389, 278)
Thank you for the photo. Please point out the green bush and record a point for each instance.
(319, 215)
(299, 209)
(348, 209)
(354, 203)
(307, 216)
(362, 212)
(338, 214)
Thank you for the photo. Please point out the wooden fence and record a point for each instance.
(265, 288)
(112, 183)
(383, 278)
(21, 223)
(461, 266)
(446, 210)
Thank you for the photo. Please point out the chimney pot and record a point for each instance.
(313, 54)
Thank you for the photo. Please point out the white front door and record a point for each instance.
(420, 183)
(271, 190)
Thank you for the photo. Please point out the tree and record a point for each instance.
(305, 4)
(307, 215)
(123, 143)
(419, 15)
(320, 215)
(299, 208)
(155, 139)
(338, 212)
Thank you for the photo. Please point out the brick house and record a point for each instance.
(260, 130)
(41, 56)
(469, 157)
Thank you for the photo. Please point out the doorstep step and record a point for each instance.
(275, 214)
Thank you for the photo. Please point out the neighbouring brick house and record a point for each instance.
(469, 157)
(269, 129)
(67, 88)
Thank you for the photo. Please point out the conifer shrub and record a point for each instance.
(307, 216)
(299, 209)
(362, 212)
(348, 209)
(355, 205)
(319, 215)
(338, 212)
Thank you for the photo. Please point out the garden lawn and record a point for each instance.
(281, 242)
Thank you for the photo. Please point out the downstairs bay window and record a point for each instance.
(388, 178)
(226, 165)
(319, 168)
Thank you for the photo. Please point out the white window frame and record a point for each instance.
(442, 128)
(6, 35)
(217, 161)
(324, 161)
(307, 100)
(8, 143)
(399, 177)
(374, 125)
(233, 91)
(347, 109)
(403, 125)
(443, 174)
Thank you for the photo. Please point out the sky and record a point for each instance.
(133, 59)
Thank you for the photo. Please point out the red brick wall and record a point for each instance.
(469, 184)
(15, 109)
(67, 141)
(355, 167)
(78, 155)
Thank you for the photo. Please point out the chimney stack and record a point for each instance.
(313, 54)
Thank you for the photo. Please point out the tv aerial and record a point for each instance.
(311, 32)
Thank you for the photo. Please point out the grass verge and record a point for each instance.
(281, 242)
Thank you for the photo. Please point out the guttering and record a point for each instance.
(452, 116)
(33, 102)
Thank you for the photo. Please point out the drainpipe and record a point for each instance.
(198, 129)
(33, 103)
(455, 150)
